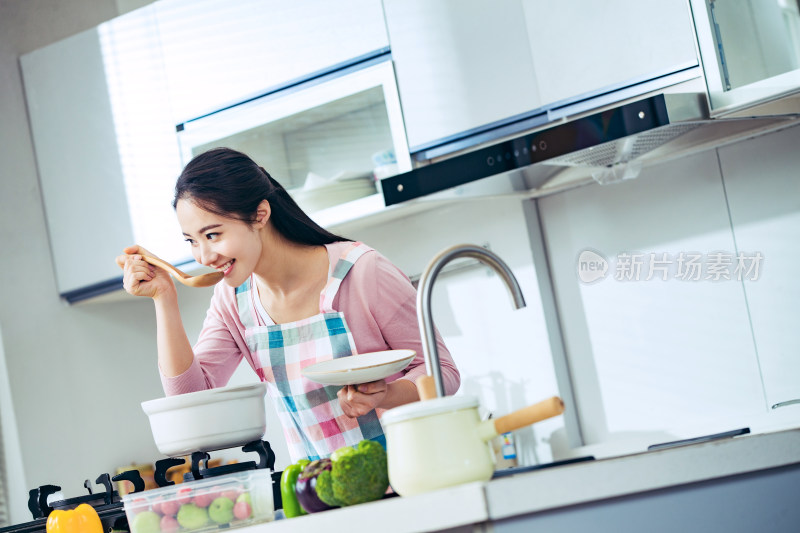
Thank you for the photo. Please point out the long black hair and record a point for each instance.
(230, 184)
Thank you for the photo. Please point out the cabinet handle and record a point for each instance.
(787, 402)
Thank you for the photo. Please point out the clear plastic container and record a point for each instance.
(223, 502)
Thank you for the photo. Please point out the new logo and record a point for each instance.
(591, 266)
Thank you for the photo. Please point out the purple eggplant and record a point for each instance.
(306, 486)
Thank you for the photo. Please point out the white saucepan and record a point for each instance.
(208, 420)
(442, 442)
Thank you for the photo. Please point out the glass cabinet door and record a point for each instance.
(750, 50)
(325, 141)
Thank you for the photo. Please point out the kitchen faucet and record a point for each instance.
(426, 280)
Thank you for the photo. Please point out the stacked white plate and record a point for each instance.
(333, 193)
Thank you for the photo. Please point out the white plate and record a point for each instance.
(334, 193)
(360, 368)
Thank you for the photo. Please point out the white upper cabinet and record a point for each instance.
(218, 53)
(464, 65)
(581, 47)
(77, 153)
(460, 64)
(105, 147)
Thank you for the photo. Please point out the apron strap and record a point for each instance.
(348, 258)
(244, 303)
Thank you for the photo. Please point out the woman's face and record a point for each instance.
(228, 245)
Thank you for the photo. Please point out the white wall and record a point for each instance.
(657, 360)
(764, 198)
(646, 353)
(13, 473)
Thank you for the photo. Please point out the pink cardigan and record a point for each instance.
(379, 306)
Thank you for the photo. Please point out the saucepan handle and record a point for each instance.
(426, 387)
(529, 415)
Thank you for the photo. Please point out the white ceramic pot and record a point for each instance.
(207, 420)
(442, 442)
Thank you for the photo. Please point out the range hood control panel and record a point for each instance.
(528, 149)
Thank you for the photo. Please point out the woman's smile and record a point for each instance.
(227, 267)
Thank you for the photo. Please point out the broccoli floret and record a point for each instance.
(357, 475)
(324, 486)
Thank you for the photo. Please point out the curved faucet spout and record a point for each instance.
(425, 291)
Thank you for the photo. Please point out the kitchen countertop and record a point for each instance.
(641, 472)
(552, 488)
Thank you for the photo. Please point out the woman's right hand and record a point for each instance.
(140, 277)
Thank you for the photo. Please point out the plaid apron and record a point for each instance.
(313, 421)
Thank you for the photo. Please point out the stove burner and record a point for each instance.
(37, 500)
(107, 503)
(200, 469)
(162, 465)
(39, 508)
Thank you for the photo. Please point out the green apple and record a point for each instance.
(221, 510)
(191, 516)
(147, 522)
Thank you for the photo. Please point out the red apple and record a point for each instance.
(156, 504)
(169, 524)
(231, 494)
(203, 499)
(241, 510)
(184, 496)
(170, 507)
(139, 504)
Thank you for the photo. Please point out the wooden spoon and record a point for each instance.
(201, 280)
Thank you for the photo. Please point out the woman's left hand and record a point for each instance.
(358, 400)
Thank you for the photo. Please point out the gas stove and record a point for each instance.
(108, 503)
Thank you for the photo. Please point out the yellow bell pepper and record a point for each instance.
(82, 519)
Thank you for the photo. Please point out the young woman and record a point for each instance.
(292, 294)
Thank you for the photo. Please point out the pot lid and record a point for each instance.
(430, 407)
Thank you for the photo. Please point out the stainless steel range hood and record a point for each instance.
(605, 144)
(746, 83)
